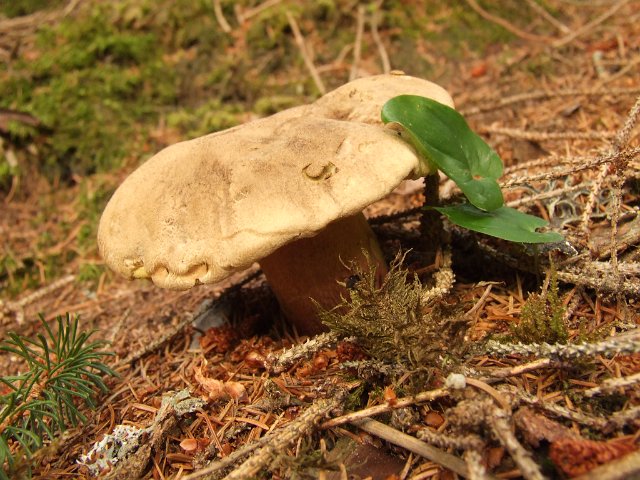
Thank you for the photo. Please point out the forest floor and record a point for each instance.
(547, 342)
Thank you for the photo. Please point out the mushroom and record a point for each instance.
(286, 191)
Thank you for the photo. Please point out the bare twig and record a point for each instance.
(414, 445)
(609, 347)
(297, 35)
(590, 26)
(601, 160)
(244, 16)
(506, 25)
(613, 384)
(501, 373)
(499, 421)
(620, 142)
(384, 57)
(548, 17)
(475, 465)
(544, 95)
(298, 428)
(380, 409)
(18, 306)
(279, 362)
(545, 136)
(217, 10)
(357, 46)
(621, 469)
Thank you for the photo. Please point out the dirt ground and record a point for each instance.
(558, 102)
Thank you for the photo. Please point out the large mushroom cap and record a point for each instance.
(202, 209)
(361, 100)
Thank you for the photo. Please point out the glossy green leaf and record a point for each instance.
(441, 135)
(505, 222)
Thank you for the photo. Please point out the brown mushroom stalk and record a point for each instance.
(316, 267)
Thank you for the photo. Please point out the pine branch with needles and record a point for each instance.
(64, 371)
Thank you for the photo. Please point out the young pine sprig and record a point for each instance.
(64, 371)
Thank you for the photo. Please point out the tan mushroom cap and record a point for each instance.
(202, 209)
(361, 100)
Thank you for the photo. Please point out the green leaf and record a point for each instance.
(506, 223)
(441, 135)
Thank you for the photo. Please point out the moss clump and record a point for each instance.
(542, 319)
(391, 322)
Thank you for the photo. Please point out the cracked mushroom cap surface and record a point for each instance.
(202, 209)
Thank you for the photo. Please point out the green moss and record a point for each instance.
(207, 118)
(391, 323)
(17, 8)
(542, 318)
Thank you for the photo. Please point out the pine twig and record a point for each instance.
(608, 347)
(279, 362)
(613, 384)
(380, 409)
(414, 445)
(64, 371)
(502, 428)
(272, 443)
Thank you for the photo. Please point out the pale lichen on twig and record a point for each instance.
(498, 419)
(280, 361)
(612, 346)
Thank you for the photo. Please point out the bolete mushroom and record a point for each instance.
(286, 191)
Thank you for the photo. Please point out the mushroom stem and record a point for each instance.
(310, 268)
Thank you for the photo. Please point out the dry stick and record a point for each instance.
(558, 192)
(475, 466)
(271, 444)
(506, 25)
(601, 160)
(548, 17)
(544, 95)
(597, 423)
(502, 373)
(256, 10)
(622, 72)
(217, 10)
(621, 141)
(281, 439)
(620, 419)
(543, 136)
(589, 26)
(19, 305)
(498, 420)
(380, 409)
(305, 54)
(604, 284)
(414, 445)
(442, 440)
(613, 384)
(621, 469)
(384, 57)
(280, 361)
(357, 46)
